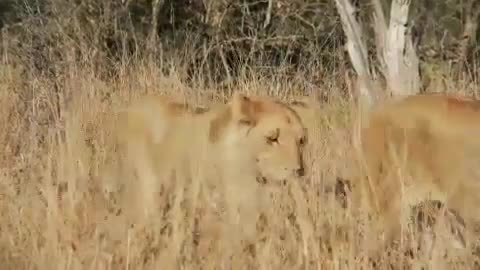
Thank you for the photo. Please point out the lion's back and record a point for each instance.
(432, 137)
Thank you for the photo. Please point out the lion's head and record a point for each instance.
(263, 131)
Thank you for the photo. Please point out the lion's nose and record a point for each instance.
(300, 172)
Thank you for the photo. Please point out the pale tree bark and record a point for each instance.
(395, 50)
(399, 53)
(268, 15)
(357, 50)
(380, 27)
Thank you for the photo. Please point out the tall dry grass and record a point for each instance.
(55, 212)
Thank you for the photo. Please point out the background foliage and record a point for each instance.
(219, 39)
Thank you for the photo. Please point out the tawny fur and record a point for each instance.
(422, 147)
(235, 143)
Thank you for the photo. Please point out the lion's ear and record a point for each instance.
(305, 106)
(244, 110)
(305, 102)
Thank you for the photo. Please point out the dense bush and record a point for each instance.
(217, 39)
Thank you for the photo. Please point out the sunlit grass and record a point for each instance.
(55, 214)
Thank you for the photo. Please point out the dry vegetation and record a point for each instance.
(54, 214)
(58, 90)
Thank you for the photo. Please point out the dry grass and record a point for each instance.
(54, 214)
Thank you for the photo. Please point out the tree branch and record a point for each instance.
(268, 16)
(356, 48)
(156, 4)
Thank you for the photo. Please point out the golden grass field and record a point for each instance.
(54, 214)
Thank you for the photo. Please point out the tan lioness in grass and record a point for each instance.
(246, 138)
(422, 147)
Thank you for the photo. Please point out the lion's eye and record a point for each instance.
(272, 139)
(302, 141)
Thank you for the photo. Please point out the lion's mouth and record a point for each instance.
(262, 180)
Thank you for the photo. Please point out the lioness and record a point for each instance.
(422, 147)
(246, 138)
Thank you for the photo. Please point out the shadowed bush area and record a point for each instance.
(223, 40)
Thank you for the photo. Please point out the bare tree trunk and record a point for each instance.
(395, 50)
(356, 50)
(399, 53)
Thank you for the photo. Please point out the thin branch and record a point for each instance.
(470, 27)
(268, 16)
(153, 32)
(380, 27)
(225, 64)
